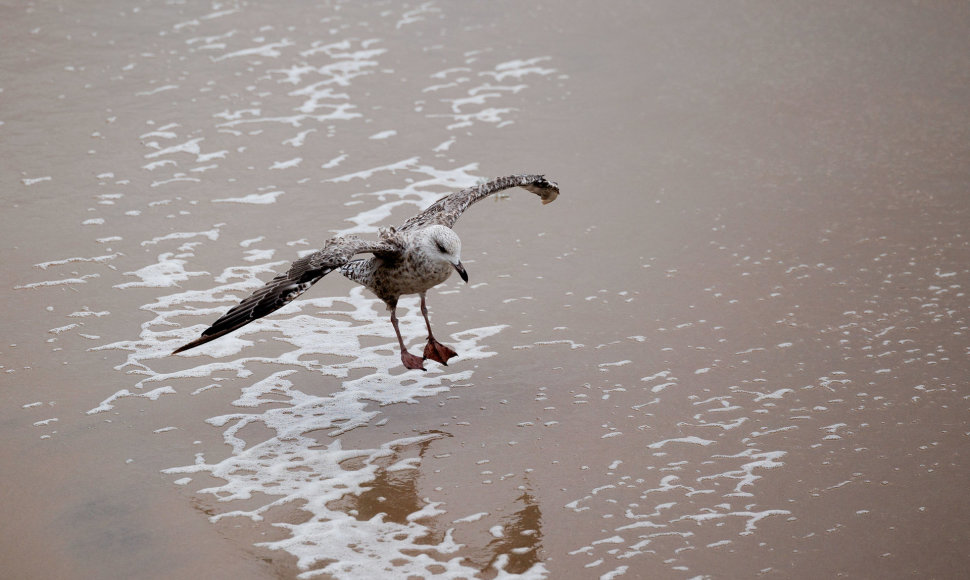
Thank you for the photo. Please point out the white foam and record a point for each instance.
(212, 235)
(165, 273)
(157, 90)
(444, 146)
(335, 161)
(299, 139)
(745, 474)
(751, 517)
(65, 328)
(417, 14)
(64, 281)
(179, 177)
(572, 344)
(253, 198)
(295, 162)
(191, 147)
(615, 573)
(661, 387)
(471, 518)
(96, 259)
(616, 364)
(108, 404)
(268, 50)
(693, 440)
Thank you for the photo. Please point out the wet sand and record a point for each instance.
(735, 346)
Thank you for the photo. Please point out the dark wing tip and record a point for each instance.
(203, 339)
(193, 344)
(185, 347)
(546, 189)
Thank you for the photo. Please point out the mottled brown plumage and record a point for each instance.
(409, 260)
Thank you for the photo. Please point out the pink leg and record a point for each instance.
(434, 350)
(410, 361)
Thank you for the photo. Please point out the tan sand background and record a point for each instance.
(737, 345)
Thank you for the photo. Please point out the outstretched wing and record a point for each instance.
(448, 209)
(284, 288)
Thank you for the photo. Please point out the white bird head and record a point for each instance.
(442, 243)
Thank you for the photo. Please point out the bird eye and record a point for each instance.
(441, 248)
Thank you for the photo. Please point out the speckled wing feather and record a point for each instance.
(284, 288)
(448, 209)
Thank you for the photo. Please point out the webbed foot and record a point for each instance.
(438, 352)
(411, 361)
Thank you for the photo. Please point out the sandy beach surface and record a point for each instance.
(736, 346)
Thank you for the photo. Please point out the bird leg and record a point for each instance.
(434, 350)
(410, 361)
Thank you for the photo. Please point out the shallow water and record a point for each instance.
(736, 345)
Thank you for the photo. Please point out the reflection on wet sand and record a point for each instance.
(395, 495)
(738, 350)
(519, 541)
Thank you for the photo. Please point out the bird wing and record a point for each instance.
(448, 209)
(284, 288)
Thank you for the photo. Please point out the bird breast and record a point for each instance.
(411, 275)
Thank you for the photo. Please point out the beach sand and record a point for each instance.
(735, 346)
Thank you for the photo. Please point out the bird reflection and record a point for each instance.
(392, 493)
(522, 537)
(396, 495)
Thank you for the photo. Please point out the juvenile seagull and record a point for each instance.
(409, 260)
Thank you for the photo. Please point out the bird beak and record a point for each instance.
(461, 271)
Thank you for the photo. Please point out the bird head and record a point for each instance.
(443, 244)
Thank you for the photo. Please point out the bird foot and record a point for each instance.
(438, 352)
(411, 361)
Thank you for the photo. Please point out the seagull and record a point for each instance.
(410, 259)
